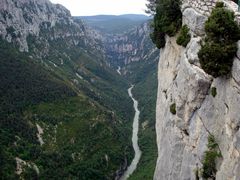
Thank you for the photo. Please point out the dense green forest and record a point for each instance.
(81, 105)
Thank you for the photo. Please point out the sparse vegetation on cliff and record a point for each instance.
(173, 108)
(217, 53)
(209, 162)
(214, 91)
(184, 37)
(167, 20)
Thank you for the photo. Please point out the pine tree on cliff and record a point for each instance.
(167, 19)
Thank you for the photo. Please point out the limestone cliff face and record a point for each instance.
(182, 138)
(20, 19)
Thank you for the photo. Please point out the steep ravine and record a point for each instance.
(133, 55)
(182, 138)
(72, 93)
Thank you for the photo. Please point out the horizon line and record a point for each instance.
(111, 15)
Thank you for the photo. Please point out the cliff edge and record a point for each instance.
(183, 138)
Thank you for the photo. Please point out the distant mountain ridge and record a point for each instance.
(134, 17)
(114, 23)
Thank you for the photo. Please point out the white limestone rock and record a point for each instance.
(39, 134)
(187, 86)
(25, 17)
(194, 20)
(192, 51)
(182, 138)
(236, 70)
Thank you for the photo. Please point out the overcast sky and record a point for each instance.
(96, 7)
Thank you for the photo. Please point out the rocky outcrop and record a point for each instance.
(20, 19)
(21, 165)
(187, 86)
(182, 138)
(194, 20)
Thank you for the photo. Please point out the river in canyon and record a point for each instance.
(136, 148)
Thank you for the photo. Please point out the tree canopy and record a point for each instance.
(167, 19)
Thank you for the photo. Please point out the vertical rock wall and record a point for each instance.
(182, 138)
(19, 18)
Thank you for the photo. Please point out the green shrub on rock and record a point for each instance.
(167, 20)
(217, 58)
(214, 91)
(219, 4)
(184, 36)
(158, 39)
(209, 162)
(216, 55)
(173, 108)
(221, 27)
